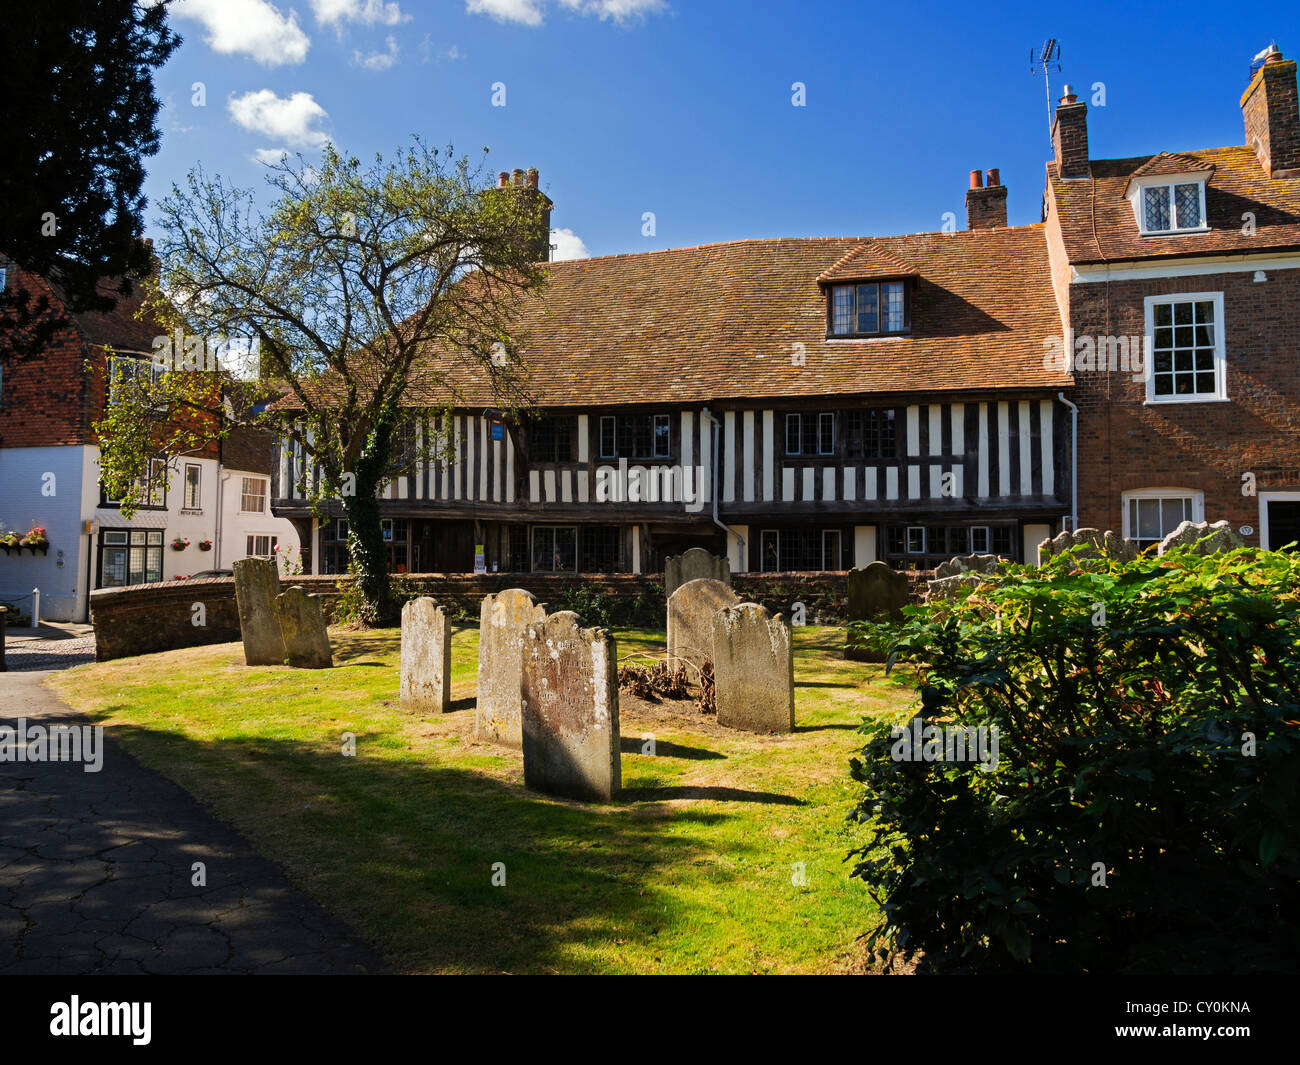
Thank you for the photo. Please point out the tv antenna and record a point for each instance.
(1042, 62)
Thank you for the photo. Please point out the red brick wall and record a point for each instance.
(1125, 444)
(46, 400)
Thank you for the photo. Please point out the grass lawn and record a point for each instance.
(691, 871)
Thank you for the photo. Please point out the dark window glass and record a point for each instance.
(600, 549)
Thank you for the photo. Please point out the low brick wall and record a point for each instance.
(147, 618)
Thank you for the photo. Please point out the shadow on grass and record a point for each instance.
(826, 728)
(664, 749)
(715, 794)
(405, 852)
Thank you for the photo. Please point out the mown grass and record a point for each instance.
(692, 870)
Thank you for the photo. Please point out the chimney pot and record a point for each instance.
(503, 179)
(986, 208)
(517, 176)
(994, 178)
(532, 177)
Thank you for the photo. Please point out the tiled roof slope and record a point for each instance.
(1238, 185)
(720, 321)
(119, 328)
(866, 262)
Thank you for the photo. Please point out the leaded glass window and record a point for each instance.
(1155, 207)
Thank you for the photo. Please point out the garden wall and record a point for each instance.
(148, 618)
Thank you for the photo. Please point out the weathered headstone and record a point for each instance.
(690, 619)
(257, 583)
(876, 593)
(962, 571)
(302, 628)
(1091, 543)
(693, 565)
(1219, 536)
(426, 657)
(753, 669)
(960, 564)
(569, 708)
(502, 620)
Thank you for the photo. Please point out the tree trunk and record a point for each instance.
(365, 533)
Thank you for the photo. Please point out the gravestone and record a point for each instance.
(960, 564)
(569, 709)
(876, 593)
(1219, 536)
(690, 619)
(753, 669)
(257, 583)
(693, 565)
(426, 657)
(302, 628)
(1091, 543)
(502, 620)
(962, 571)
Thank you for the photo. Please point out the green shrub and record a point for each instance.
(1148, 716)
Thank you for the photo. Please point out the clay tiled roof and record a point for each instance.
(119, 328)
(721, 321)
(1237, 185)
(868, 261)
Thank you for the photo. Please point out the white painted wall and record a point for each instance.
(237, 525)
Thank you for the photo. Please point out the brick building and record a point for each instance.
(49, 472)
(1193, 255)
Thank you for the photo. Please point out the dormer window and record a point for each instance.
(1170, 203)
(876, 308)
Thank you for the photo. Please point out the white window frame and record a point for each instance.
(266, 488)
(1138, 193)
(272, 540)
(1265, 498)
(1220, 347)
(1195, 494)
(198, 488)
(830, 450)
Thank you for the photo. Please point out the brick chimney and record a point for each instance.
(525, 183)
(1070, 136)
(986, 204)
(1272, 115)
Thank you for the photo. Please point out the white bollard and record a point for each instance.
(36, 608)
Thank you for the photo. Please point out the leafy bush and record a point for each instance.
(1148, 717)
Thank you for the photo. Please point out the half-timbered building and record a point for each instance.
(797, 404)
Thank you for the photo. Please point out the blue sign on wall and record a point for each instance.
(498, 431)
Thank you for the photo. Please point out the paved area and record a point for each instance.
(96, 874)
(22, 655)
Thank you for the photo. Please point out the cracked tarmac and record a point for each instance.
(96, 868)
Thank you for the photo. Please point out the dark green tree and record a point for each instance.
(78, 116)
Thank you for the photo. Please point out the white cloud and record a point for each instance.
(618, 10)
(567, 245)
(377, 60)
(368, 12)
(293, 119)
(530, 12)
(254, 28)
(270, 156)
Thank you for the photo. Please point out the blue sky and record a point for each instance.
(684, 108)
